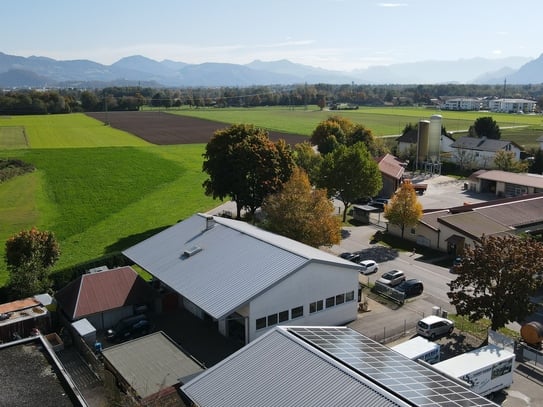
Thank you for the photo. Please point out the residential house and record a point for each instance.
(474, 152)
(512, 105)
(104, 297)
(324, 366)
(409, 140)
(245, 279)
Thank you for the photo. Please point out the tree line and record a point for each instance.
(52, 101)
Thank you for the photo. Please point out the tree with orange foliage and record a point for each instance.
(302, 213)
(404, 208)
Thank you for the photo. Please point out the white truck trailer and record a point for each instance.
(419, 348)
(486, 370)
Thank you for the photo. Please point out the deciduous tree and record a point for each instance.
(349, 173)
(506, 161)
(307, 159)
(404, 208)
(496, 279)
(29, 256)
(302, 213)
(330, 133)
(243, 164)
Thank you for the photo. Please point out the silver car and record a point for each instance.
(434, 326)
(392, 278)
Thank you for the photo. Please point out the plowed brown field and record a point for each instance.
(167, 129)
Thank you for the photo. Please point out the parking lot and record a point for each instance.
(390, 323)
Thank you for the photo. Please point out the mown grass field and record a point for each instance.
(382, 121)
(101, 197)
(101, 190)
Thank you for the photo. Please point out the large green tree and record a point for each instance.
(29, 256)
(330, 133)
(496, 279)
(302, 213)
(485, 127)
(404, 209)
(243, 164)
(349, 173)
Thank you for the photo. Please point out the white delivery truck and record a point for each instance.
(486, 370)
(419, 348)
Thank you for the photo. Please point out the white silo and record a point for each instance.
(434, 138)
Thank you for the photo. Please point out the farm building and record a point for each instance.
(392, 169)
(505, 184)
(324, 366)
(450, 230)
(154, 375)
(247, 280)
(104, 297)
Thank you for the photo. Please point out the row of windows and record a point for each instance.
(282, 316)
(331, 302)
(297, 312)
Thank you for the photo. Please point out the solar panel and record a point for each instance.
(407, 379)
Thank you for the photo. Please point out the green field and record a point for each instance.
(100, 199)
(101, 190)
(382, 121)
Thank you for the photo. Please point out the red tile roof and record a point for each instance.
(103, 291)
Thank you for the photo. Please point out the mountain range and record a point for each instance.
(39, 71)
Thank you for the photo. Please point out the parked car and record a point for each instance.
(129, 328)
(392, 278)
(368, 266)
(379, 203)
(434, 326)
(354, 257)
(411, 287)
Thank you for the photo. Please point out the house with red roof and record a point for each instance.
(104, 297)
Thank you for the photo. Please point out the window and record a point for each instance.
(340, 299)
(413, 231)
(272, 319)
(260, 323)
(349, 296)
(297, 312)
(283, 316)
(330, 302)
(315, 306)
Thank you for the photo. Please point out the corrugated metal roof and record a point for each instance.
(103, 291)
(237, 261)
(279, 369)
(151, 363)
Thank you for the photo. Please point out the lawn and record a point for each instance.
(102, 192)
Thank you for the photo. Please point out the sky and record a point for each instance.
(342, 35)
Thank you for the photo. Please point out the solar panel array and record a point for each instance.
(407, 379)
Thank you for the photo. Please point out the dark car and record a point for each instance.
(411, 287)
(354, 257)
(379, 203)
(456, 263)
(129, 328)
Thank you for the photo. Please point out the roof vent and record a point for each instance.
(210, 222)
(97, 269)
(192, 251)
